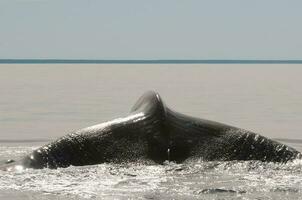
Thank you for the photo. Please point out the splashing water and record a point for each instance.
(190, 180)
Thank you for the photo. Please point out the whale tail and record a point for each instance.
(183, 136)
(154, 131)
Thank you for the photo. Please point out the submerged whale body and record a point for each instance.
(155, 132)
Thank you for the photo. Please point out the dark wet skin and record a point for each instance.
(154, 132)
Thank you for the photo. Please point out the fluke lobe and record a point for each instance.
(155, 132)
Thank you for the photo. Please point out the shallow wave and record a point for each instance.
(194, 179)
(234, 179)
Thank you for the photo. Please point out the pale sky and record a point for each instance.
(153, 29)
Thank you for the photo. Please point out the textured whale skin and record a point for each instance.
(154, 132)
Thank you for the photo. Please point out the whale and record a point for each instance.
(152, 131)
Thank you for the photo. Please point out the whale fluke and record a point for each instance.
(152, 131)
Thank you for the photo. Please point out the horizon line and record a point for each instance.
(149, 61)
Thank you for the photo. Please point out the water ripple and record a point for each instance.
(191, 180)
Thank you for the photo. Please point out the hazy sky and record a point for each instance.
(153, 29)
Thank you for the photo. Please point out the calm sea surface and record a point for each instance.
(40, 102)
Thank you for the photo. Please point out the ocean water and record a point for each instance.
(41, 102)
